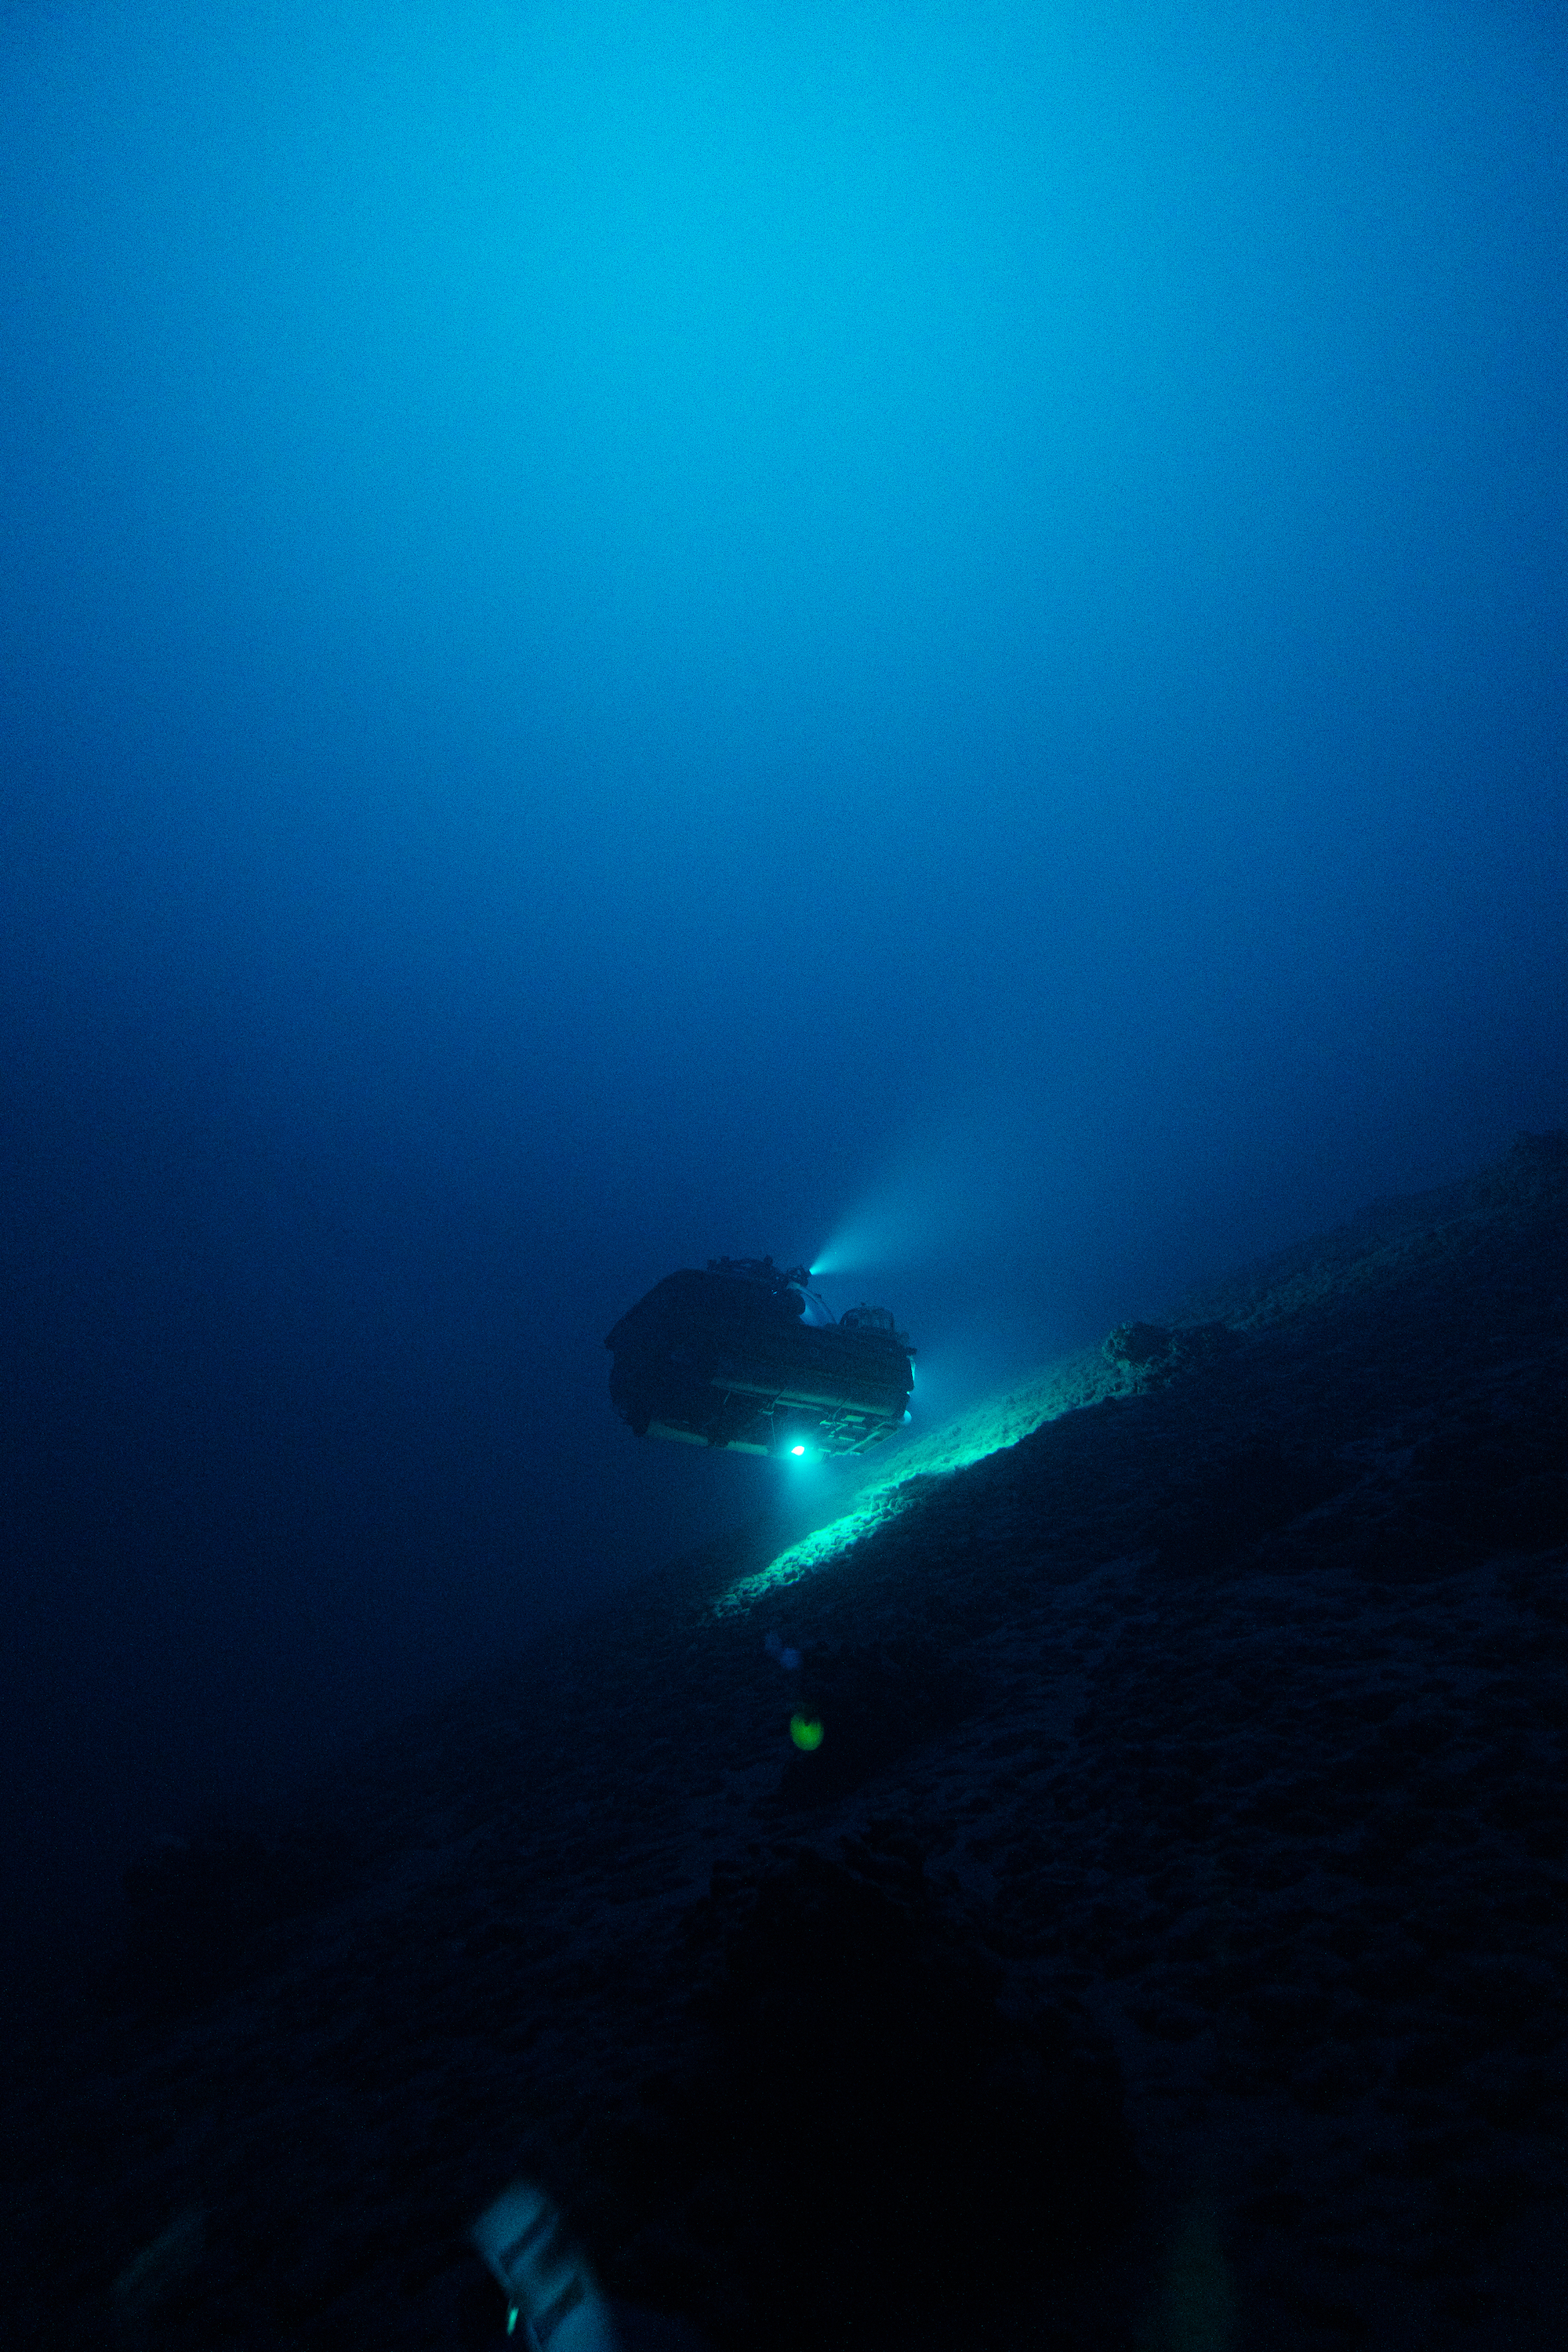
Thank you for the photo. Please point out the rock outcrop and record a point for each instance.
(1190, 1821)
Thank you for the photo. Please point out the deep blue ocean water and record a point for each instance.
(929, 638)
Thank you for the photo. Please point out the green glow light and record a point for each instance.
(805, 1732)
(987, 1428)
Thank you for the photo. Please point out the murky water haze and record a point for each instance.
(934, 645)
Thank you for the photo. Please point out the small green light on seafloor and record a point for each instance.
(805, 1732)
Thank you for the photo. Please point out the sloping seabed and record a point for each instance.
(1164, 1947)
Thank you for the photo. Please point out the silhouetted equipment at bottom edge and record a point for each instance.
(729, 1358)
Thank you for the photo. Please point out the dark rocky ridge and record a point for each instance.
(1191, 1800)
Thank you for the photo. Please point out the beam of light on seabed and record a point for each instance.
(892, 1486)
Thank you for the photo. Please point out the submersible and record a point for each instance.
(745, 1355)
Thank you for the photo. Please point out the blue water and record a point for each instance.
(926, 637)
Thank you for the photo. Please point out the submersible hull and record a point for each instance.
(727, 1357)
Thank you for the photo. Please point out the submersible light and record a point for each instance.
(797, 1449)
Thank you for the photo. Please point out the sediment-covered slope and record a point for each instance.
(1165, 1945)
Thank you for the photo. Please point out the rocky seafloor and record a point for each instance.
(1163, 1947)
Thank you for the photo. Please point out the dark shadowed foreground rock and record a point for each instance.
(1165, 1945)
(205, 1912)
(870, 2148)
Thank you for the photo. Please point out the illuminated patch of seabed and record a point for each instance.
(893, 1483)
